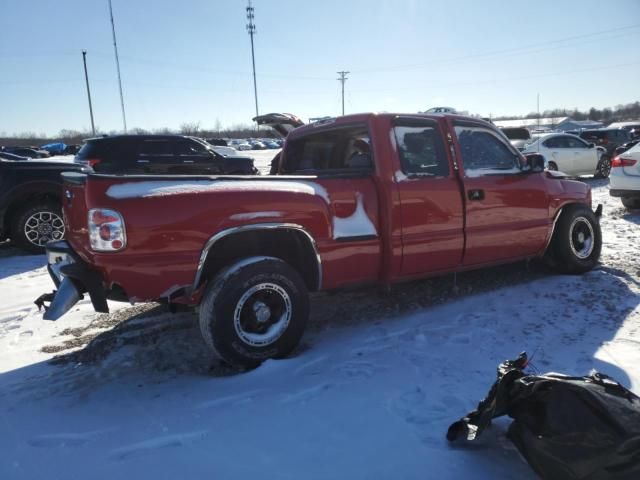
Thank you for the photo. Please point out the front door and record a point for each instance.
(430, 198)
(507, 210)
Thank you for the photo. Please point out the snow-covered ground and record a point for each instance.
(369, 395)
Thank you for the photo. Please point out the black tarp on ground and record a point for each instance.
(583, 428)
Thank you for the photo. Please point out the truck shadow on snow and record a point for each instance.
(145, 343)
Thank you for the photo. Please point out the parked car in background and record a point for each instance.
(632, 127)
(257, 145)
(27, 152)
(627, 146)
(55, 148)
(31, 200)
(226, 151)
(518, 137)
(571, 155)
(219, 142)
(608, 138)
(12, 156)
(243, 146)
(625, 177)
(271, 145)
(160, 154)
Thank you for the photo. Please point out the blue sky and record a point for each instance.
(190, 61)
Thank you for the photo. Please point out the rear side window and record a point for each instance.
(421, 149)
(335, 151)
(594, 135)
(155, 148)
(484, 153)
(92, 150)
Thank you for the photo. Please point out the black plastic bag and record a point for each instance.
(565, 427)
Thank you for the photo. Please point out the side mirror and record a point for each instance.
(591, 145)
(534, 162)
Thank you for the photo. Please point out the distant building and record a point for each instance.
(561, 124)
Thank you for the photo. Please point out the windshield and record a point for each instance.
(517, 133)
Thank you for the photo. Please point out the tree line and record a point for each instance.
(630, 111)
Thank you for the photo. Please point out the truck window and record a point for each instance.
(339, 150)
(155, 148)
(483, 153)
(421, 150)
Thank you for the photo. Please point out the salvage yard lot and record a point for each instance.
(369, 394)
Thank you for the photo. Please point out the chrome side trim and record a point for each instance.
(257, 226)
(553, 229)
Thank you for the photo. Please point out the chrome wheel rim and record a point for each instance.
(262, 314)
(605, 167)
(581, 237)
(42, 227)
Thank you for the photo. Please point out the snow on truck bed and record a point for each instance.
(369, 394)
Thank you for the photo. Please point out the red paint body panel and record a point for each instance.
(421, 227)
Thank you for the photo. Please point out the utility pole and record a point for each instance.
(115, 48)
(86, 78)
(251, 28)
(343, 78)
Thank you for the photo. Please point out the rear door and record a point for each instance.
(430, 198)
(506, 210)
(155, 156)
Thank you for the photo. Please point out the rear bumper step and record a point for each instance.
(72, 277)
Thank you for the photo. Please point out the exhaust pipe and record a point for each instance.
(65, 298)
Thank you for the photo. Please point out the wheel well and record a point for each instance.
(23, 201)
(289, 244)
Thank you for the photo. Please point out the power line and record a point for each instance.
(251, 28)
(115, 48)
(343, 78)
(512, 50)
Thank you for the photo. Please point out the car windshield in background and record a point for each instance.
(517, 133)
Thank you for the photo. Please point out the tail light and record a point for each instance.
(106, 230)
(623, 162)
(92, 162)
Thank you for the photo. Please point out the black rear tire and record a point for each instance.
(35, 224)
(577, 240)
(631, 202)
(254, 310)
(552, 166)
(604, 167)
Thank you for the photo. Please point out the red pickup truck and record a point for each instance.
(360, 199)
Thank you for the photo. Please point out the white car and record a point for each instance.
(625, 177)
(226, 151)
(570, 154)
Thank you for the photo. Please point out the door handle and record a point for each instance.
(187, 161)
(475, 194)
(142, 161)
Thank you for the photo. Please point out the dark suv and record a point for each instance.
(159, 155)
(608, 138)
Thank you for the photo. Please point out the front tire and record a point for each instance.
(577, 240)
(254, 310)
(36, 224)
(552, 166)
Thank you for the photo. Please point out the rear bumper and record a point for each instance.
(616, 192)
(72, 278)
